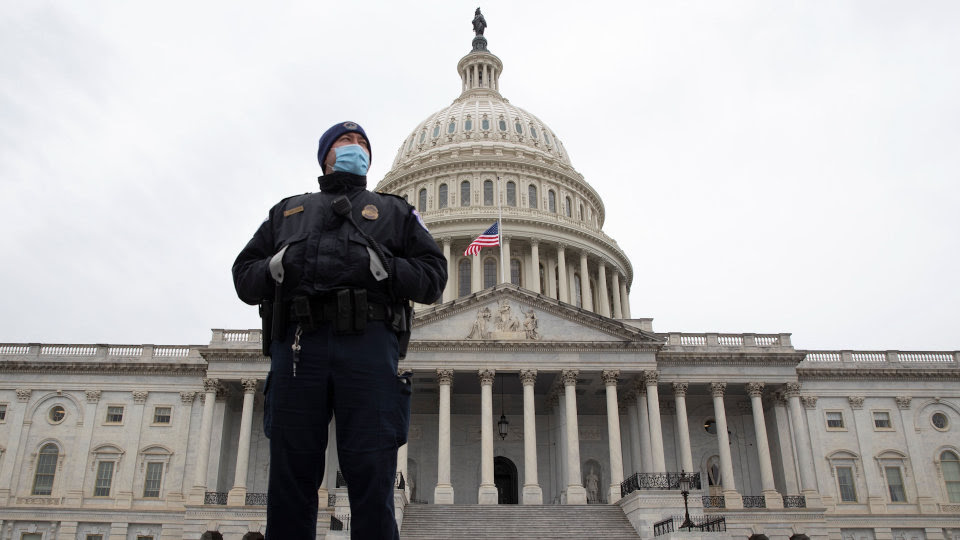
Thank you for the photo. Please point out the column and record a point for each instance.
(732, 497)
(443, 493)
(238, 494)
(563, 284)
(203, 449)
(585, 290)
(680, 400)
(449, 291)
(657, 460)
(476, 274)
(402, 455)
(532, 493)
(534, 284)
(602, 293)
(774, 500)
(487, 494)
(505, 264)
(624, 299)
(613, 431)
(576, 494)
(561, 413)
(808, 480)
(18, 429)
(646, 450)
(634, 419)
(617, 310)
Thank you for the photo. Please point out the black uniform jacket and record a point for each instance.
(327, 253)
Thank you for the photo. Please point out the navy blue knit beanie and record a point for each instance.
(331, 135)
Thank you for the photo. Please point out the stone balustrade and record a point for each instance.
(70, 352)
(713, 340)
(848, 358)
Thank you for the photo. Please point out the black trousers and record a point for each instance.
(353, 377)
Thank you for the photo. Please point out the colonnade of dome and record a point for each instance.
(481, 158)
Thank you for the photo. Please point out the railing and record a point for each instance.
(711, 339)
(714, 501)
(94, 353)
(882, 357)
(698, 523)
(794, 501)
(255, 499)
(754, 501)
(339, 523)
(215, 497)
(670, 480)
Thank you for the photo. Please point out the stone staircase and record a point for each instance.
(477, 522)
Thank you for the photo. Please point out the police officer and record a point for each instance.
(339, 268)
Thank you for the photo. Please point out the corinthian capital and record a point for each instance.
(249, 385)
(651, 377)
(23, 394)
(140, 396)
(528, 376)
(755, 389)
(93, 396)
(718, 388)
(569, 377)
(444, 376)
(486, 376)
(809, 402)
(680, 388)
(610, 377)
(187, 397)
(211, 385)
(793, 389)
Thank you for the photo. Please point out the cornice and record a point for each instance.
(98, 368)
(527, 346)
(729, 358)
(242, 355)
(879, 373)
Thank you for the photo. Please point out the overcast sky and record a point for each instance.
(767, 166)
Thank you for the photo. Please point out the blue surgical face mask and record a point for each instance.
(352, 158)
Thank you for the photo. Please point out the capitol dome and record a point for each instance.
(481, 158)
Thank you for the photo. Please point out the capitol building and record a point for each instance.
(535, 388)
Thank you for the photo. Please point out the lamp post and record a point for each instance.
(503, 423)
(685, 491)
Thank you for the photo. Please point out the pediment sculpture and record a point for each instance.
(504, 325)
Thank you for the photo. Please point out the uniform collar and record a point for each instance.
(342, 182)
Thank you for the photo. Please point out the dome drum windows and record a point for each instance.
(511, 194)
(485, 123)
(463, 278)
(422, 200)
(442, 196)
(488, 192)
(552, 202)
(532, 196)
(468, 124)
(451, 127)
(465, 193)
(436, 131)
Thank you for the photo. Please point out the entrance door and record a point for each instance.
(505, 478)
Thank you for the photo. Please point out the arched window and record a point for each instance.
(485, 124)
(567, 208)
(950, 467)
(515, 274)
(532, 195)
(511, 194)
(423, 136)
(464, 193)
(442, 196)
(468, 124)
(452, 126)
(502, 124)
(436, 131)
(577, 291)
(488, 192)
(422, 200)
(489, 272)
(552, 201)
(583, 214)
(46, 469)
(463, 277)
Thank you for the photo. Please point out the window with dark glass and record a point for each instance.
(489, 272)
(46, 469)
(465, 194)
(488, 193)
(895, 484)
(94, 537)
(515, 272)
(533, 132)
(552, 201)
(518, 127)
(582, 213)
(57, 414)
(436, 131)
(511, 194)
(881, 420)
(3, 412)
(151, 482)
(161, 415)
(463, 278)
(104, 479)
(442, 196)
(532, 195)
(502, 124)
(468, 125)
(485, 124)
(452, 126)
(834, 420)
(939, 421)
(848, 492)
(422, 200)
(566, 208)
(950, 467)
(114, 415)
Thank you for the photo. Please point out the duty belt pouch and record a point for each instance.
(360, 310)
(301, 308)
(351, 311)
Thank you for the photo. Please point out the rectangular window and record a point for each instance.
(151, 484)
(104, 479)
(161, 415)
(848, 492)
(895, 484)
(31, 536)
(3, 412)
(94, 537)
(115, 415)
(834, 420)
(881, 420)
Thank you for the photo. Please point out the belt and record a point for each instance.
(325, 309)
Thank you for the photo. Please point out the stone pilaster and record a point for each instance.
(443, 493)
(487, 493)
(576, 494)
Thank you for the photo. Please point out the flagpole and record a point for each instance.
(503, 268)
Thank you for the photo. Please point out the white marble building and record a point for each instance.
(533, 385)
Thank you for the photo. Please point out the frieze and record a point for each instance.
(93, 367)
(23, 394)
(871, 374)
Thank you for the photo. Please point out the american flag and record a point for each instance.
(490, 237)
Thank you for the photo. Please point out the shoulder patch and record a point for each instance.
(419, 219)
